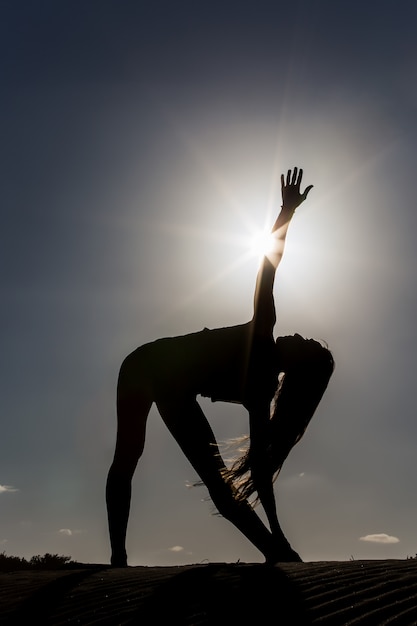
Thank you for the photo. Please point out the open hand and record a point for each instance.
(291, 195)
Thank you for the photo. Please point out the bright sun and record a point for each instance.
(261, 243)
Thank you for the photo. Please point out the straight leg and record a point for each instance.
(189, 426)
(133, 406)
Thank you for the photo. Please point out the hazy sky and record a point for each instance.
(141, 146)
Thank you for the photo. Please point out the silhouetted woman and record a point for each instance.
(279, 382)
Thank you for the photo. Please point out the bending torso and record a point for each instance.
(229, 364)
(233, 364)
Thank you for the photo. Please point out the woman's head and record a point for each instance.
(306, 367)
(295, 352)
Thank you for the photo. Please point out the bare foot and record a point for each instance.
(287, 555)
(118, 561)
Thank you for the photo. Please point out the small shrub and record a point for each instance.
(49, 561)
(38, 562)
(8, 563)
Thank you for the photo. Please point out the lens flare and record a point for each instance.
(262, 243)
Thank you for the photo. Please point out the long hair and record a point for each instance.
(300, 388)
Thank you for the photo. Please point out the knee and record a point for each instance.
(125, 461)
(120, 472)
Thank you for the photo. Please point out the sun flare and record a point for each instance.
(262, 243)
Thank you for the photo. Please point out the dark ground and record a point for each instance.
(299, 594)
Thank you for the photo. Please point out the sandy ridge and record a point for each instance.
(330, 593)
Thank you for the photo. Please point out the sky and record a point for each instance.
(141, 148)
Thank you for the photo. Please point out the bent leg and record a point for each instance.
(189, 426)
(133, 405)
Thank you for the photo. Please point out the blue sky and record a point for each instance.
(142, 144)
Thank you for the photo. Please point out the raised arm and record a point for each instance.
(262, 470)
(264, 316)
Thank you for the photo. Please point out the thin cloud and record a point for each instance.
(380, 538)
(176, 549)
(69, 532)
(7, 489)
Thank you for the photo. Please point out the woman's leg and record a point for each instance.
(189, 426)
(134, 400)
